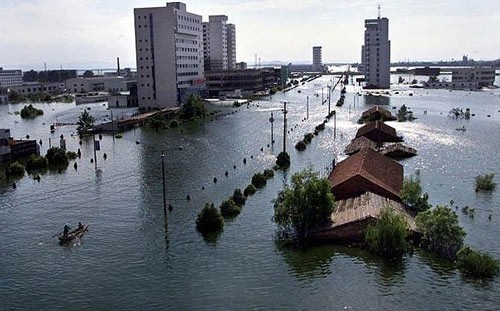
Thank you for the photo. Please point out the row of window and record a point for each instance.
(179, 40)
(187, 65)
(188, 19)
(187, 27)
(187, 57)
(181, 49)
(186, 74)
(145, 40)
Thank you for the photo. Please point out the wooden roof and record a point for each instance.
(359, 143)
(379, 132)
(364, 206)
(387, 115)
(372, 167)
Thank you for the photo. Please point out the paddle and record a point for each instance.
(57, 234)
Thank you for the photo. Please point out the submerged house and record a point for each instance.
(358, 144)
(367, 171)
(377, 114)
(353, 215)
(379, 132)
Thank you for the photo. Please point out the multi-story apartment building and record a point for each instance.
(10, 77)
(377, 53)
(219, 44)
(317, 59)
(169, 55)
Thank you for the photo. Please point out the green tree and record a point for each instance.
(57, 157)
(30, 112)
(15, 169)
(411, 195)
(209, 219)
(36, 163)
(158, 121)
(485, 183)
(229, 208)
(304, 206)
(85, 122)
(283, 160)
(440, 231)
(193, 107)
(387, 237)
(238, 197)
(88, 74)
(477, 264)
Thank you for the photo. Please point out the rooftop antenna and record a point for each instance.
(379, 11)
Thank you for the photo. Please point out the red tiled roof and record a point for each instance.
(371, 166)
(379, 132)
(377, 109)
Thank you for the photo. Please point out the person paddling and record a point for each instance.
(66, 230)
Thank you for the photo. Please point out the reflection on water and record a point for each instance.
(128, 261)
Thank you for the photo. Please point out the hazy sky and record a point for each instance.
(92, 33)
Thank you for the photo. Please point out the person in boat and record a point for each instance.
(80, 226)
(66, 230)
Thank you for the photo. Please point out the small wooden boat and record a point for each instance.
(77, 233)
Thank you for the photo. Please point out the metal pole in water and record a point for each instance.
(95, 153)
(307, 107)
(271, 119)
(284, 128)
(163, 177)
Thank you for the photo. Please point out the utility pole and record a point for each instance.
(96, 146)
(163, 177)
(334, 124)
(271, 119)
(329, 95)
(112, 126)
(322, 91)
(284, 127)
(307, 105)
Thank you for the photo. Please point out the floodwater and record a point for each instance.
(131, 260)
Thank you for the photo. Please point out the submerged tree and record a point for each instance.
(412, 195)
(485, 183)
(305, 205)
(85, 122)
(193, 107)
(387, 237)
(441, 233)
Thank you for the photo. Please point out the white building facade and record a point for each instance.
(10, 77)
(169, 55)
(219, 44)
(377, 53)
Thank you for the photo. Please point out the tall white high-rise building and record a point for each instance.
(219, 44)
(376, 60)
(317, 59)
(169, 54)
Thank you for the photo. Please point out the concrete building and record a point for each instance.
(10, 77)
(376, 60)
(36, 87)
(169, 55)
(12, 150)
(219, 44)
(245, 82)
(468, 78)
(317, 59)
(4, 145)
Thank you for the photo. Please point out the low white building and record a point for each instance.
(36, 87)
(467, 78)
